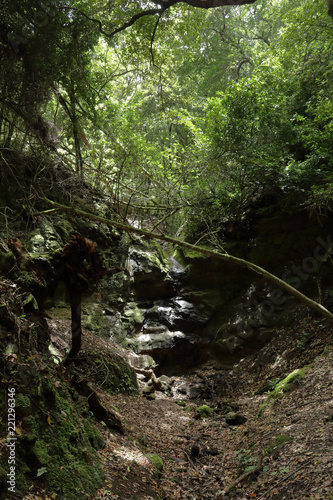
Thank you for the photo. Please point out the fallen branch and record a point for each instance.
(204, 251)
(244, 476)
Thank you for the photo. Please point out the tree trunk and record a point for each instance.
(75, 297)
(76, 135)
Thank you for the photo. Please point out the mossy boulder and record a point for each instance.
(57, 443)
(110, 370)
(234, 418)
(149, 271)
(95, 437)
(205, 411)
(94, 319)
(44, 239)
(39, 453)
(286, 385)
(132, 317)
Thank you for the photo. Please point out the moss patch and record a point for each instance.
(57, 447)
(286, 385)
(157, 462)
(205, 411)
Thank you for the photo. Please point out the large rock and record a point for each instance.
(149, 272)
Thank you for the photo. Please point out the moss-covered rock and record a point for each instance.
(132, 316)
(149, 271)
(110, 370)
(233, 418)
(205, 411)
(57, 442)
(284, 386)
(39, 453)
(75, 480)
(94, 319)
(95, 437)
(44, 239)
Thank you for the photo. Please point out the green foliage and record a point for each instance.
(245, 461)
(184, 129)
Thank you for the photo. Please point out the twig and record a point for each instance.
(285, 478)
(245, 475)
(191, 462)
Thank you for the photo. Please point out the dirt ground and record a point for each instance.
(285, 453)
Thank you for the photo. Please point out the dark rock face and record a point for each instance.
(191, 309)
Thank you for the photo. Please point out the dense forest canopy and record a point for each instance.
(207, 125)
(184, 115)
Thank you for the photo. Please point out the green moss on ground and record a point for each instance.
(157, 462)
(279, 441)
(284, 386)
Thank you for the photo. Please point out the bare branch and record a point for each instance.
(204, 4)
(163, 6)
(139, 15)
(152, 39)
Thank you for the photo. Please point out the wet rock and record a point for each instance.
(177, 314)
(150, 341)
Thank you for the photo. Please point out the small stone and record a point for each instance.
(151, 397)
(212, 451)
(195, 451)
(182, 389)
(194, 391)
(233, 418)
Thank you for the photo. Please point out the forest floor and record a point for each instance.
(285, 453)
